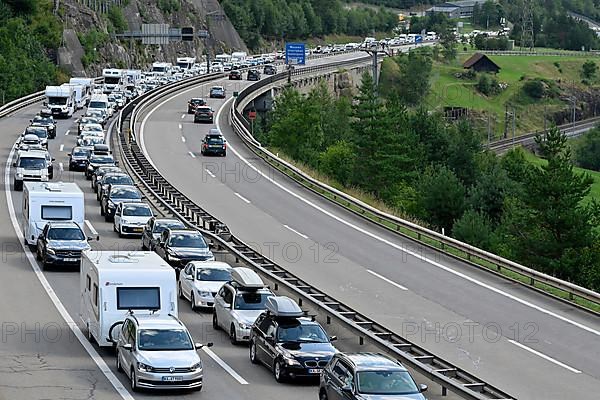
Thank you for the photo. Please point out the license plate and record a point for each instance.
(172, 378)
(70, 260)
(315, 370)
(214, 146)
(138, 229)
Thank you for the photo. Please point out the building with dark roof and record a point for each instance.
(481, 63)
(456, 9)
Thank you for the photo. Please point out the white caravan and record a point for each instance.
(186, 63)
(60, 100)
(45, 202)
(88, 85)
(113, 284)
(80, 95)
(113, 80)
(132, 76)
(161, 69)
(238, 56)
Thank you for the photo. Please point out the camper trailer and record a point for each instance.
(60, 100)
(186, 63)
(113, 80)
(88, 85)
(113, 284)
(45, 202)
(81, 98)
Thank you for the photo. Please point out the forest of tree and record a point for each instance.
(437, 172)
(299, 19)
(29, 33)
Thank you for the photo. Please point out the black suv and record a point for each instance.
(117, 194)
(195, 102)
(78, 158)
(235, 75)
(96, 161)
(269, 70)
(290, 346)
(253, 75)
(367, 375)
(180, 246)
(214, 144)
(47, 122)
(111, 178)
(204, 114)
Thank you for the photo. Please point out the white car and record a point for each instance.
(200, 281)
(239, 303)
(130, 218)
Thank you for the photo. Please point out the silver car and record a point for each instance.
(157, 352)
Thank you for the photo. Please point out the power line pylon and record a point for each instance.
(527, 35)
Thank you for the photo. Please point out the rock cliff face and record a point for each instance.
(111, 52)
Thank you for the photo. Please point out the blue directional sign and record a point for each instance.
(418, 39)
(295, 54)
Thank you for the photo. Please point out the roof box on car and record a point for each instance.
(282, 306)
(247, 278)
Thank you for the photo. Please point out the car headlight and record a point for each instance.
(202, 293)
(144, 368)
(291, 361)
(90, 167)
(244, 326)
(50, 251)
(19, 175)
(196, 366)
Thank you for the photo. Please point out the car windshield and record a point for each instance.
(386, 383)
(102, 160)
(187, 240)
(164, 340)
(90, 141)
(215, 140)
(80, 152)
(159, 227)
(137, 211)
(42, 133)
(296, 332)
(217, 90)
(197, 101)
(251, 301)
(57, 101)
(203, 109)
(213, 275)
(124, 194)
(118, 180)
(32, 163)
(65, 234)
(98, 104)
(93, 128)
(42, 120)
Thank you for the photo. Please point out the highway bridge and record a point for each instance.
(526, 343)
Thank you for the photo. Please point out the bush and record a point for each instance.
(488, 85)
(338, 161)
(90, 42)
(587, 154)
(474, 228)
(168, 6)
(534, 89)
(117, 19)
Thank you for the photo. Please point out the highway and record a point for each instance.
(44, 353)
(525, 343)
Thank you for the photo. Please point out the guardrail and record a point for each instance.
(487, 261)
(329, 310)
(536, 53)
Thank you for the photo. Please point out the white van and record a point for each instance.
(112, 284)
(44, 202)
(100, 102)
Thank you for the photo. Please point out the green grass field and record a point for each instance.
(448, 90)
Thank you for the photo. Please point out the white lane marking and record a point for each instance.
(391, 282)
(406, 250)
(210, 173)
(67, 132)
(545, 357)
(242, 197)
(61, 167)
(361, 230)
(183, 116)
(62, 147)
(192, 154)
(93, 231)
(183, 139)
(224, 365)
(296, 232)
(180, 127)
(89, 348)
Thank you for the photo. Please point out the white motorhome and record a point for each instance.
(81, 98)
(113, 79)
(88, 85)
(238, 56)
(223, 58)
(112, 284)
(161, 68)
(45, 202)
(100, 102)
(132, 76)
(61, 100)
(186, 63)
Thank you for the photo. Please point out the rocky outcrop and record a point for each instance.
(131, 54)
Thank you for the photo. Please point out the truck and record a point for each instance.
(81, 98)
(113, 79)
(186, 63)
(116, 284)
(88, 85)
(45, 202)
(60, 100)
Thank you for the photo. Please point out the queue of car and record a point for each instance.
(153, 347)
